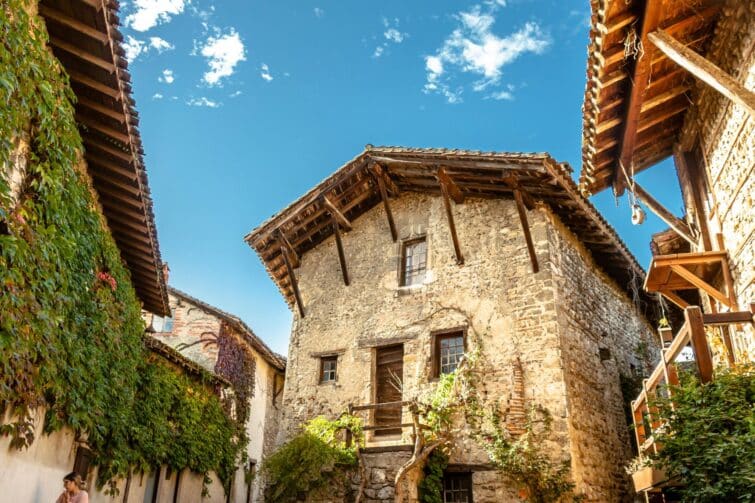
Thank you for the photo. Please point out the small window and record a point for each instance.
(448, 351)
(413, 261)
(328, 366)
(162, 324)
(457, 487)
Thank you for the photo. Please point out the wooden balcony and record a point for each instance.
(669, 274)
(382, 434)
(692, 333)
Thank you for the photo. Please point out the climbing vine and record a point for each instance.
(70, 323)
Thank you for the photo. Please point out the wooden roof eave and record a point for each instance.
(85, 38)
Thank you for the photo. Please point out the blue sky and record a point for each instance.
(245, 105)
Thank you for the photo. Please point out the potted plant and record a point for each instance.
(644, 475)
(664, 330)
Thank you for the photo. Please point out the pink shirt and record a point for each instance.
(80, 497)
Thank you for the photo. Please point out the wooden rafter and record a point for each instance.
(444, 180)
(96, 160)
(110, 149)
(704, 70)
(341, 254)
(102, 109)
(82, 54)
(101, 128)
(98, 86)
(679, 225)
(336, 213)
(453, 190)
(381, 181)
(526, 229)
(74, 24)
(640, 79)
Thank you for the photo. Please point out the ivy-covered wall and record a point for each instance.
(71, 334)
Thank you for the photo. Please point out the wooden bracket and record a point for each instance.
(679, 225)
(292, 280)
(701, 284)
(446, 188)
(382, 180)
(288, 247)
(341, 254)
(379, 172)
(694, 318)
(336, 213)
(704, 70)
(526, 229)
(453, 190)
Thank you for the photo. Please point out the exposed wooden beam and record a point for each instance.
(679, 225)
(110, 149)
(105, 177)
(74, 24)
(526, 229)
(451, 224)
(701, 284)
(102, 109)
(98, 86)
(704, 70)
(694, 320)
(292, 280)
(379, 172)
(640, 80)
(336, 213)
(618, 23)
(82, 54)
(293, 256)
(96, 160)
(98, 126)
(341, 254)
(387, 206)
(674, 298)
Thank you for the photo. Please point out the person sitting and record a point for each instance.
(74, 490)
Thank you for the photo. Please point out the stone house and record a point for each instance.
(405, 259)
(687, 91)
(220, 343)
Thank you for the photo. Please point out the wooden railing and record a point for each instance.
(693, 333)
(370, 426)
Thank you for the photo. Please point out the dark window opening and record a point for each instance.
(83, 461)
(413, 261)
(328, 366)
(447, 352)
(457, 488)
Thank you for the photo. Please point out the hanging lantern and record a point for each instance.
(638, 215)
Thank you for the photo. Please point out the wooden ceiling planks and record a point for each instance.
(85, 38)
(308, 221)
(620, 114)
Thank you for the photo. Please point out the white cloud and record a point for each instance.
(167, 76)
(378, 51)
(223, 53)
(473, 48)
(235, 94)
(149, 13)
(157, 96)
(160, 45)
(265, 72)
(203, 102)
(394, 35)
(319, 12)
(133, 48)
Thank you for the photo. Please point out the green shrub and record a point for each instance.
(709, 442)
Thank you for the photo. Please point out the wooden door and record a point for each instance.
(389, 376)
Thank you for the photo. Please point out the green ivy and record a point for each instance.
(313, 459)
(709, 441)
(71, 332)
(431, 485)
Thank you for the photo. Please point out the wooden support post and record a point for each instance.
(726, 272)
(386, 205)
(451, 224)
(292, 279)
(341, 254)
(453, 190)
(526, 229)
(694, 319)
(336, 213)
(679, 225)
(704, 70)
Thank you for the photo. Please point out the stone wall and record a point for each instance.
(602, 338)
(509, 313)
(727, 135)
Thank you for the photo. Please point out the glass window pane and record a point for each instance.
(414, 262)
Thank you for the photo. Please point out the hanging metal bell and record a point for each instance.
(638, 215)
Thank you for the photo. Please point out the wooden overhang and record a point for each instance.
(357, 186)
(85, 38)
(636, 97)
(270, 356)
